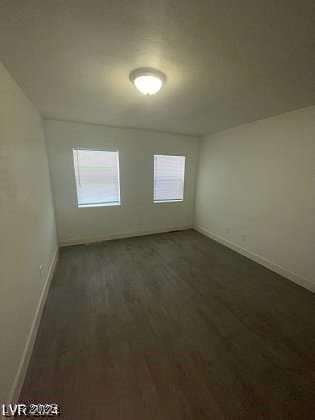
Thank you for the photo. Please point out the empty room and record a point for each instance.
(157, 209)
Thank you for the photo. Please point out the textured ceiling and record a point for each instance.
(227, 62)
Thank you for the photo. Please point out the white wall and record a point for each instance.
(256, 192)
(137, 213)
(27, 231)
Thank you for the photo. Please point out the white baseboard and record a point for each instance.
(259, 259)
(27, 352)
(84, 241)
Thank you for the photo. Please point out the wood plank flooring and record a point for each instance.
(173, 327)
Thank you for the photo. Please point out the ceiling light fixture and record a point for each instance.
(148, 81)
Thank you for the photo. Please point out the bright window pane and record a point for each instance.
(169, 174)
(97, 177)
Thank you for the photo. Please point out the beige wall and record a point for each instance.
(256, 192)
(137, 213)
(27, 230)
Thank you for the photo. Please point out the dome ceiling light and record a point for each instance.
(148, 81)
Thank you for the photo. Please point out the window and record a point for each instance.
(97, 177)
(169, 172)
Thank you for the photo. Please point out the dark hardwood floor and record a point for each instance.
(173, 327)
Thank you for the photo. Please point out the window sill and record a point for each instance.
(167, 201)
(80, 206)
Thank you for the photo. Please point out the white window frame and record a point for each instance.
(76, 176)
(179, 200)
